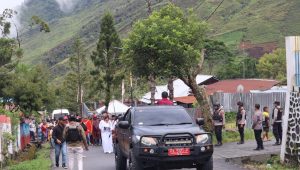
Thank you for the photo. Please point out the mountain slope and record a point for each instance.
(254, 26)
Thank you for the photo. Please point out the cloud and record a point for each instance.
(66, 5)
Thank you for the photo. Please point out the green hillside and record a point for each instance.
(256, 26)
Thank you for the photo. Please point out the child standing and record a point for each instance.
(266, 124)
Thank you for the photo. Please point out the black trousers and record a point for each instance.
(241, 131)
(32, 137)
(218, 132)
(257, 134)
(277, 131)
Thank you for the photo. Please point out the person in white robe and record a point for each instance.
(106, 128)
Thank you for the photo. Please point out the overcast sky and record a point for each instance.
(9, 4)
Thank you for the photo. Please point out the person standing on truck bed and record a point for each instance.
(165, 100)
(219, 122)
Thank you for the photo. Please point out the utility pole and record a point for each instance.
(131, 90)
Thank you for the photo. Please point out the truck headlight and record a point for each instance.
(202, 138)
(149, 141)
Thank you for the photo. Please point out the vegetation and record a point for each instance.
(106, 58)
(41, 161)
(168, 43)
(216, 53)
(273, 66)
(29, 89)
(272, 163)
(238, 67)
(254, 21)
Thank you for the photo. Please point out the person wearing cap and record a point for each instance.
(219, 122)
(76, 140)
(60, 142)
(165, 100)
(277, 120)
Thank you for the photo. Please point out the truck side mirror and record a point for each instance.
(200, 121)
(124, 124)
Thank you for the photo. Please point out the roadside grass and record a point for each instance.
(41, 162)
(231, 134)
(273, 163)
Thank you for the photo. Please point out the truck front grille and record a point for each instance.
(178, 140)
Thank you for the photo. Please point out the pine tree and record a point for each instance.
(106, 57)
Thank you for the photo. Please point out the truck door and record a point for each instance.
(127, 134)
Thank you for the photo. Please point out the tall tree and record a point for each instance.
(78, 63)
(106, 58)
(170, 43)
(273, 65)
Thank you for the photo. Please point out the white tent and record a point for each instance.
(114, 107)
(180, 89)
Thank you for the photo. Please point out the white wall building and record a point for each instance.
(290, 148)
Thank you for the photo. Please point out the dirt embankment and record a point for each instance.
(257, 50)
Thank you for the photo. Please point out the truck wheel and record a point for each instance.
(133, 162)
(207, 165)
(120, 160)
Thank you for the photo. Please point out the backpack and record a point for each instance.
(239, 115)
(73, 134)
(217, 116)
(83, 126)
(279, 114)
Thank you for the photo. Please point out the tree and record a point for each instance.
(216, 53)
(170, 43)
(29, 88)
(273, 65)
(106, 58)
(78, 64)
(238, 67)
(4, 24)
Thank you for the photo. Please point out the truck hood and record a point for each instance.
(161, 130)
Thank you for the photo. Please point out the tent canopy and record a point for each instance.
(114, 107)
(180, 89)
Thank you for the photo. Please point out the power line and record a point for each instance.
(214, 10)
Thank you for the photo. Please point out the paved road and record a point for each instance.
(96, 160)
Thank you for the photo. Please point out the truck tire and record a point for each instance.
(120, 160)
(207, 165)
(133, 162)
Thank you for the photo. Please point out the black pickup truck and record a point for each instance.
(161, 137)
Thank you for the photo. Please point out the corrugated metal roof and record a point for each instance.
(185, 99)
(231, 86)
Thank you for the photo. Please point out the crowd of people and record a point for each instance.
(261, 123)
(69, 135)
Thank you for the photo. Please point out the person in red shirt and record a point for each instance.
(89, 126)
(165, 100)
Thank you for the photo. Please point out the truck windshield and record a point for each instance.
(160, 117)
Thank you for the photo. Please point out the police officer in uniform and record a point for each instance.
(277, 120)
(219, 122)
